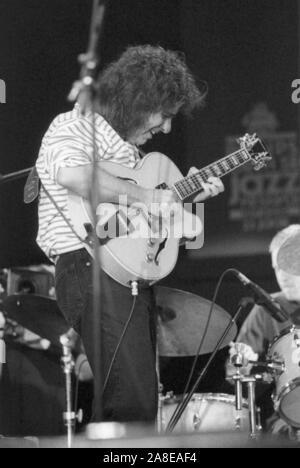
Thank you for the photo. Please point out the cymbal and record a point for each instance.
(288, 257)
(39, 314)
(182, 321)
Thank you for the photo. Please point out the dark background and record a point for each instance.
(247, 52)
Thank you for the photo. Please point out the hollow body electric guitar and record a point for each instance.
(138, 245)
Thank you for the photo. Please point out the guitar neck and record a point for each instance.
(192, 184)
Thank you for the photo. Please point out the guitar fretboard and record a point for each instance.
(192, 184)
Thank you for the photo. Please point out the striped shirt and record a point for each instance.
(69, 143)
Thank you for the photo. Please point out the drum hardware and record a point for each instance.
(272, 367)
(161, 402)
(160, 408)
(244, 304)
(250, 380)
(238, 362)
(69, 416)
(283, 359)
(276, 367)
(258, 420)
(238, 396)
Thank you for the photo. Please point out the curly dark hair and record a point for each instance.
(143, 81)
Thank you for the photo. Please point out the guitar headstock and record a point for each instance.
(256, 149)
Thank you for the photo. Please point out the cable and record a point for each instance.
(183, 400)
(112, 360)
(119, 344)
(204, 334)
(199, 348)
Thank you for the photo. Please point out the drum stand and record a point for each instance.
(68, 364)
(250, 380)
(159, 419)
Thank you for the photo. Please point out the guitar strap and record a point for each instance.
(85, 241)
(32, 188)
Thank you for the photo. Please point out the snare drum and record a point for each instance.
(207, 412)
(286, 349)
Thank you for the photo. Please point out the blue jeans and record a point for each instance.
(131, 391)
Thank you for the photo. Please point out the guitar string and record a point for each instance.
(184, 187)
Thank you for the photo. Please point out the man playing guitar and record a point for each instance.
(137, 97)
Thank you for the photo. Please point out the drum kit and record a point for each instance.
(182, 318)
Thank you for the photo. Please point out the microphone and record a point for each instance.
(263, 298)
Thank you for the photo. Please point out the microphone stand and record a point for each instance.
(243, 304)
(2, 342)
(238, 362)
(68, 365)
(83, 91)
(14, 175)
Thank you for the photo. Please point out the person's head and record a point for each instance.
(289, 284)
(143, 90)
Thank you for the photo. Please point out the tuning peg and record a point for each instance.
(247, 140)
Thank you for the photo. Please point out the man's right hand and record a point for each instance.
(162, 202)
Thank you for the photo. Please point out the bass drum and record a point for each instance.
(286, 349)
(207, 412)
